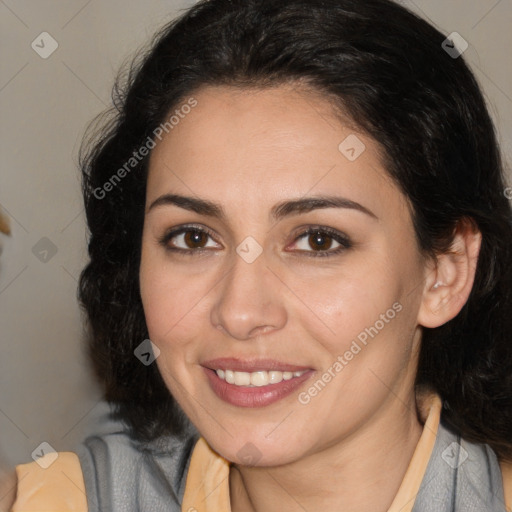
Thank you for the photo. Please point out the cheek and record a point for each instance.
(177, 314)
(339, 306)
(171, 308)
(170, 304)
(362, 329)
(166, 296)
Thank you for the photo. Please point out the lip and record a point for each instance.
(258, 396)
(251, 365)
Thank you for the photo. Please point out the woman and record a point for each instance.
(299, 282)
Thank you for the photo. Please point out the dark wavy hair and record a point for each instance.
(386, 69)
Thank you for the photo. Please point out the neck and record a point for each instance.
(360, 473)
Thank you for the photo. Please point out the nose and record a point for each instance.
(248, 303)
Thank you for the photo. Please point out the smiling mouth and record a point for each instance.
(256, 379)
(254, 383)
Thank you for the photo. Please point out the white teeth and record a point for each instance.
(275, 377)
(259, 378)
(242, 378)
(256, 379)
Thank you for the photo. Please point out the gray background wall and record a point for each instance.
(47, 392)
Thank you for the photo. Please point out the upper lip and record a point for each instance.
(251, 365)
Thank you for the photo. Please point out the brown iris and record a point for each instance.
(195, 239)
(319, 241)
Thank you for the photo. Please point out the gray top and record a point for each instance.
(124, 475)
(460, 477)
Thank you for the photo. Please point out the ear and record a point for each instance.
(449, 283)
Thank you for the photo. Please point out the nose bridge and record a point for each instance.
(243, 279)
(246, 303)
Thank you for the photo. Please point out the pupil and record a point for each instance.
(194, 238)
(319, 241)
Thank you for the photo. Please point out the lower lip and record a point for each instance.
(257, 396)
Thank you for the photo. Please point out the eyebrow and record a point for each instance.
(278, 212)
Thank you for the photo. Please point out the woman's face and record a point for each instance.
(277, 251)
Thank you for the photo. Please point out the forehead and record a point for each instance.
(246, 147)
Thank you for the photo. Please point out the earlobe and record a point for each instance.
(448, 285)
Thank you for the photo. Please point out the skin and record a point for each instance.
(247, 150)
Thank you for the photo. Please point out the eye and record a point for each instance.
(322, 241)
(188, 239)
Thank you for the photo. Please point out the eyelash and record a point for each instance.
(164, 240)
(343, 240)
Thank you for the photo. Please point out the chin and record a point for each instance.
(257, 451)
